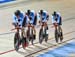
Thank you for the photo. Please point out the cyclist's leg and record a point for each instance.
(56, 34)
(24, 37)
(46, 25)
(46, 31)
(34, 30)
(60, 23)
(34, 33)
(23, 26)
(23, 32)
(28, 31)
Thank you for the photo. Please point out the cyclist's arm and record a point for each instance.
(59, 16)
(53, 21)
(14, 21)
(47, 17)
(22, 19)
(38, 17)
(58, 19)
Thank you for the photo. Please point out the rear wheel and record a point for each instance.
(46, 34)
(30, 36)
(24, 42)
(46, 38)
(31, 39)
(41, 39)
(61, 37)
(60, 34)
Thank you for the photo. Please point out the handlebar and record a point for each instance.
(55, 25)
(16, 28)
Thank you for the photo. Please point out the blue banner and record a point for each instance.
(4, 1)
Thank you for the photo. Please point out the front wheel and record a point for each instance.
(40, 36)
(56, 36)
(16, 41)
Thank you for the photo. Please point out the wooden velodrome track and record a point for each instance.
(65, 7)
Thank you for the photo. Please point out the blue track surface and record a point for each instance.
(63, 51)
(4, 1)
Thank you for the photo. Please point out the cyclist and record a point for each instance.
(32, 19)
(57, 21)
(43, 18)
(18, 17)
(18, 20)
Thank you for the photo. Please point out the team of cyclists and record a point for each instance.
(30, 17)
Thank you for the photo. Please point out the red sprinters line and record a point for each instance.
(7, 51)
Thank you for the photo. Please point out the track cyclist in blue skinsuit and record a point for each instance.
(43, 18)
(57, 21)
(32, 19)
